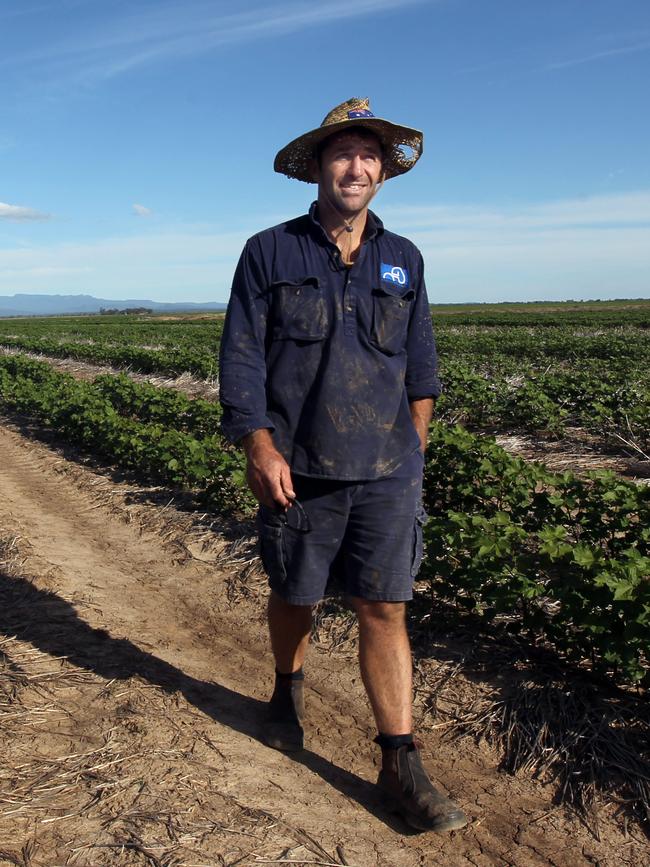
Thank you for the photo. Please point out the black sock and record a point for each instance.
(393, 742)
(289, 678)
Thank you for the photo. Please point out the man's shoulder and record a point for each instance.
(289, 228)
(394, 240)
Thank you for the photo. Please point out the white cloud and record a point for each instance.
(141, 210)
(193, 264)
(146, 33)
(596, 211)
(20, 213)
(632, 48)
(571, 248)
(44, 271)
(598, 246)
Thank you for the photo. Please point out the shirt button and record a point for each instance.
(348, 308)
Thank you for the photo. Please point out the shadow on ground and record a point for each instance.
(547, 717)
(52, 624)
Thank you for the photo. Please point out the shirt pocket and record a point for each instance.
(300, 310)
(391, 311)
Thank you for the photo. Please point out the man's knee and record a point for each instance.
(376, 613)
(278, 605)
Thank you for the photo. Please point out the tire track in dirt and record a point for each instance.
(124, 581)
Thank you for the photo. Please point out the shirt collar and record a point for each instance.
(374, 225)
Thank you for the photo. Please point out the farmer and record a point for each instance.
(328, 381)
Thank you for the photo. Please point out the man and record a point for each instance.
(328, 380)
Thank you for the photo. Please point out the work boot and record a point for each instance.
(286, 709)
(408, 791)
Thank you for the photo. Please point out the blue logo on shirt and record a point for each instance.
(360, 113)
(394, 274)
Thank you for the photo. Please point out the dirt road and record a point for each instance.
(132, 690)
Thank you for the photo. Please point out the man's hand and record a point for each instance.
(267, 472)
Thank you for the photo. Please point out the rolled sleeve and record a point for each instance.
(421, 378)
(242, 364)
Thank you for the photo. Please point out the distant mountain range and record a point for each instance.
(56, 305)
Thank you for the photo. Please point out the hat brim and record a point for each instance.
(402, 147)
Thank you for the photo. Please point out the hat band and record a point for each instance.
(353, 115)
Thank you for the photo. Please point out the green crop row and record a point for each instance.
(611, 400)
(116, 330)
(599, 314)
(184, 449)
(608, 401)
(569, 557)
(164, 406)
(522, 337)
(529, 370)
(543, 344)
(172, 361)
(562, 559)
(154, 342)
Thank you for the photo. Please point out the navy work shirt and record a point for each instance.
(326, 356)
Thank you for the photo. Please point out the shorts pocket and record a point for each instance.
(270, 527)
(300, 310)
(418, 540)
(391, 310)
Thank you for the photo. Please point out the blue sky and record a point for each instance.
(137, 139)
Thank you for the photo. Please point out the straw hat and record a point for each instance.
(402, 145)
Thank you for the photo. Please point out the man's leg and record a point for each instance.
(386, 669)
(385, 662)
(297, 551)
(289, 628)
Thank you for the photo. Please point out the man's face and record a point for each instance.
(350, 168)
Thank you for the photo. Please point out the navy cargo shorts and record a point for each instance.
(360, 538)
